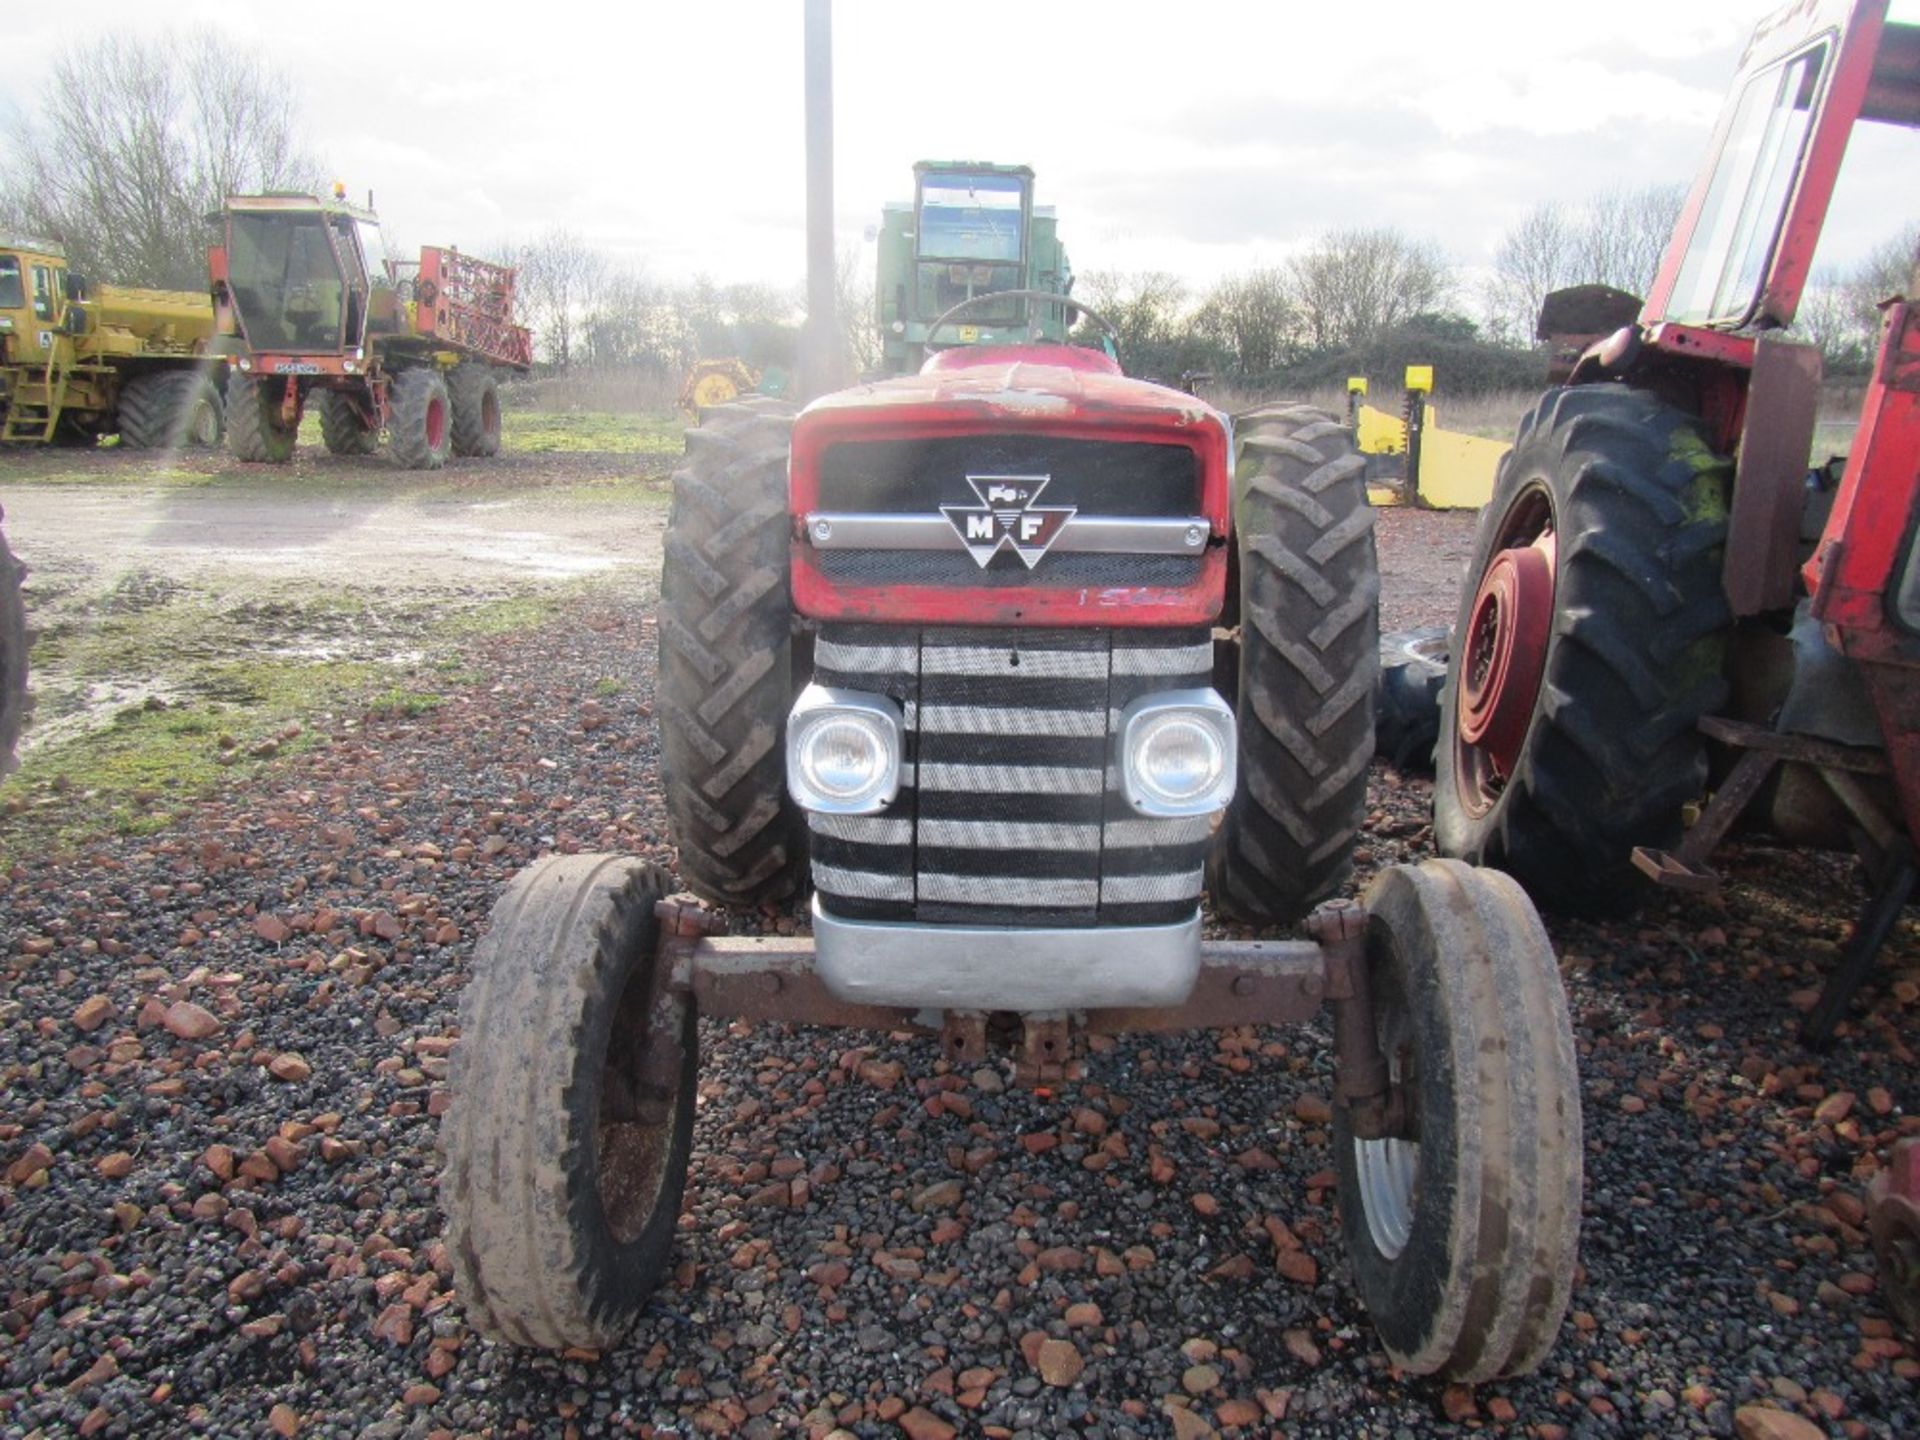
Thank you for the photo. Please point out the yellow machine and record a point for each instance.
(78, 362)
(1411, 460)
(716, 382)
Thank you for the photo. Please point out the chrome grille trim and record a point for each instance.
(1033, 664)
(1140, 834)
(1032, 779)
(1009, 835)
(862, 884)
(1147, 889)
(1084, 534)
(1164, 660)
(1010, 720)
(1009, 890)
(865, 829)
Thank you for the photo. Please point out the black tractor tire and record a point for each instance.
(16, 703)
(1406, 706)
(420, 428)
(171, 410)
(561, 1205)
(476, 409)
(1635, 656)
(726, 660)
(254, 431)
(1462, 1236)
(1309, 652)
(343, 429)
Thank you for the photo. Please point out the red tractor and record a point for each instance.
(308, 305)
(1663, 601)
(944, 649)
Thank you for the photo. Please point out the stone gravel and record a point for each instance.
(224, 1047)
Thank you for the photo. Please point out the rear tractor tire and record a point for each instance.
(1463, 1229)
(420, 429)
(475, 391)
(254, 428)
(1591, 639)
(1309, 636)
(342, 427)
(171, 410)
(566, 1154)
(726, 660)
(15, 701)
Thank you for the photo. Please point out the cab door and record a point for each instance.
(42, 330)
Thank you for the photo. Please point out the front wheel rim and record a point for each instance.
(1389, 1175)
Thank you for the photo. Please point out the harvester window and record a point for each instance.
(1739, 224)
(972, 217)
(13, 293)
(44, 305)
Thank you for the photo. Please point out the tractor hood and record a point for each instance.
(1013, 384)
(1023, 485)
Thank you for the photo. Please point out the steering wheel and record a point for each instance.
(1065, 302)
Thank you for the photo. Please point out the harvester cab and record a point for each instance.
(972, 231)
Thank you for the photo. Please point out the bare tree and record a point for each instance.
(1249, 320)
(560, 278)
(1887, 270)
(1614, 238)
(855, 309)
(136, 141)
(1623, 233)
(1353, 285)
(1534, 258)
(1146, 308)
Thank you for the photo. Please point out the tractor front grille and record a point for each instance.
(1009, 812)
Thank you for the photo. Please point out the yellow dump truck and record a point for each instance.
(78, 362)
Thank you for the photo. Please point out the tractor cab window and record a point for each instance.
(286, 281)
(45, 305)
(13, 292)
(1739, 223)
(971, 239)
(973, 217)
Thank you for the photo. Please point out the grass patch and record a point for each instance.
(402, 703)
(593, 431)
(132, 776)
(606, 687)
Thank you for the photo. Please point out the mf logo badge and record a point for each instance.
(1008, 517)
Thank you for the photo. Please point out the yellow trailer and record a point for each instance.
(78, 362)
(1412, 460)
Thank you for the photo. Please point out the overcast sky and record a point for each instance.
(1196, 137)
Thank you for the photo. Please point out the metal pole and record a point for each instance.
(822, 367)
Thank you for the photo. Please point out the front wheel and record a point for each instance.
(572, 1108)
(255, 430)
(1462, 1228)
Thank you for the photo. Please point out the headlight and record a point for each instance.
(1177, 753)
(843, 751)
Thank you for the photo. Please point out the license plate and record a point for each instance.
(295, 367)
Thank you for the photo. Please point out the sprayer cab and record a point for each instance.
(300, 274)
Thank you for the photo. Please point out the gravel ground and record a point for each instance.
(224, 1046)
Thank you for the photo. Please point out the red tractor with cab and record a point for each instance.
(1666, 603)
(1010, 662)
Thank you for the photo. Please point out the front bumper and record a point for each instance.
(980, 967)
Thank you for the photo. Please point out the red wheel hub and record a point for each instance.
(436, 422)
(1506, 651)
